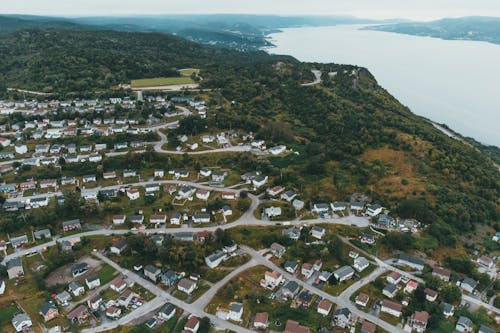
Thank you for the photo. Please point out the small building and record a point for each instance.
(192, 325)
(118, 247)
(63, 298)
(186, 286)
(291, 266)
(293, 233)
(214, 259)
(390, 290)
(133, 194)
(320, 208)
(288, 196)
(391, 308)
(411, 286)
(464, 325)
(317, 232)
(21, 322)
(373, 210)
(272, 211)
(49, 311)
(294, 327)
(419, 320)
(136, 219)
(448, 309)
(158, 219)
(14, 268)
(307, 270)
(290, 289)
(72, 225)
(394, 277)
(76, 288)
(201, 218)
(485, 329)
(261, 321)
(152, 272)
(413, 262)
(202, 194)
(468, 285)
(92, 281)
(343, 273)
(235, 311)
(341, 317)
(119, 219)
(362, 300)
(277, 250)
(443, 274)
(113, 312)
(368, 327)
(79, 269)
(298, 204)
(430, 295)
(167, 311)
(80, 314)
(485, 262)
(361, 263)
(118, 285)
(176, 218)
(324, 307)
(272, 279)
(95, 302)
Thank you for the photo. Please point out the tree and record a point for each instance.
(204, 325)
(452, 294)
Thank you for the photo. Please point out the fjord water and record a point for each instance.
(452, 82)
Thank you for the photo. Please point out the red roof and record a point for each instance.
(420, 316)
(368, 327)
(392, 305)
(441, 271)
(395, 275)
(191, 323)
(363, 298)
(294, 327)
(325, 305)
(430, 292)
(261, 318)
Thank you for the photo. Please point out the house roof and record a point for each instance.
(273, 274)
(120, 244)
(486, 329)
(292, 286)
(391, 288)
(46, 307)
(344, 271)
(368, 327)
(325, 305)
(294, 327)
(421, 316)
(77, 311)
(191, 323)
(151, 269)
(392, 305)
(342, 312)
(71, 222)
(14, 262)
(235, 307)
(411, 259)
(430, 292)
(167, 308)
(261, 317)
(186, 284)
(464, 321)
(362, 298)
(441, 271)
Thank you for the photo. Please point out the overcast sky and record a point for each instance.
(377, 9)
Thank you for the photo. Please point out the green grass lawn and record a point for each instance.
(6, 315)
(106, 274)
(161, 81)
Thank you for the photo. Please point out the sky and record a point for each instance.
(372, 9)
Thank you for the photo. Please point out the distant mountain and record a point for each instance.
(10, 23)
(485, 29)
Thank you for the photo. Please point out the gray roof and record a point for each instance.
(42, 233)
(291, 264)
(486, 329)
(92, 278)
(391, 288)
(471, 282)
(167, 308)
(344, 271)
(342, 312)
(71, 222)
(216, 256)
(413, 260)
(73, 285)
(20, 317)
(151, 269)
(15, 262)
(46, 307)
(464, 321)
(236, 307)
(292, 286)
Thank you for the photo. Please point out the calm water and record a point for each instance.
(451, 82)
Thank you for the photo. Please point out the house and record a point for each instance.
(325, 276)
(317, 265)
(167, 311)
(80, 314)
(2, 287)
(192, 325)
(214, 259)
(63, 298)
(293, 233)
(485, 261)
(88, 178)
(158, 219)
(39, 202)
(277, 250)
(72, 225)
(133, 194)
(21, 148)
(29, 185)
(218, 176)
(324, 307)
(272, 279)
(385, 221)
(288, 196)
(411, 286)
(176, 218)
(368, 327)
(320, 208)
(294, 327)
(235, 311)
(298, 204)
(307, 270)
(391, 308)
(373, 210)
(48, 311)
(186, 192)
(272, 211)
(468, 284)
(317, 232)
(152, 272)
(274, 191)
(390, 290)
(94, 302)
(341, 317)
(394, 278)
(107, 193)
(290, 289)
(92, 281)
(169, 188)
(485, 329)
(113, 312)
(181, 173)
(305, 298)
(76, 288)
(362, 299)
(119, 219)
(463, 325)
(203, 194)
(227, 210)
(291, 266)
(19, 241)
(136, 219)
(418, 321)
(159, 173)
(407, 260)
(222, 313)
(187, 286)
(95, 158)
(259, 181)
(201, 218)
(79, 269)
(118, 247)
(443, 274)
(338, 206)
(21, 322)
(169, 277)
(151, 188)
(125, 298)
(430, 295)
(277, 150)
(361, 263)
(68, 181)
(228, 195)
(118, 285)
(261, 321)
(192, 145)
(343, 273)
(448, 309)
(14, 268)
(157, 239)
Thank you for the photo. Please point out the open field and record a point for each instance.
(161, 81)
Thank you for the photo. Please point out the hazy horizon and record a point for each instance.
(366, 9)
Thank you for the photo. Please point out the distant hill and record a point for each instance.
(485, 29)
(10, 23)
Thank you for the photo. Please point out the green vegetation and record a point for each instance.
(6, 314)
(160, 81)
(106, 274)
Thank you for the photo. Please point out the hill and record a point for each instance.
(486, 29)
(349, 133)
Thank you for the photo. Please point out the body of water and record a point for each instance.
(452, 82)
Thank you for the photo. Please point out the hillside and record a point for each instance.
(350, 134)
(486, 29)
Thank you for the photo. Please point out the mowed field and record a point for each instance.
(161, 81)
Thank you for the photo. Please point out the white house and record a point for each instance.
(317, 232)
(373, 210)
(133, 194)
(213, 260)
(202, 194)
(361, 263)
(176, 218)
(21, 148)
(272, 211)
(259, 181)
(186, 286)
(324, 307)
(118, 285)
(21, 322)
(277, 150)
(338, 206)
(272, 279)
(391, 308)
(119, 219)
(235, 311)
(394, 278)
(320, 208)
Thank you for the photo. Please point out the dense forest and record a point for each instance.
(349, 134)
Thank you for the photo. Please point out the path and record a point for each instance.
(317, 78)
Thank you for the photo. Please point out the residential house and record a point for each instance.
(259, 181)
(486, 329)
(213, 260)
(113, 312)
(157, 239)
(152, 188)
(272, 211)
(290, 289)
(390, 290)
(186, 285)
(324, 307)
(294, 327)
(118, 285)
(373, 210)
(203, 194)
(127, 173)
(368, 239)
(468, 284)
(72, 225)
(119, 219)
(218, 176)
(288, 196)
(443, 274)
(21, 322)
(176, 218)
(235, 311)
(307, 270)
(368, 327)
(159, 173)
(413, 262)
(14, 268)
(277, 250)
(411, 286)
(228, 195)
(261, 321)
(88, 178)
(293, 233)
(152, 272)
(125, 298)
(419, 320)
(298, 204)
(291, 266)
(391, 308)
(136, 219)
(464, 325)
(79, 269)
(341, 317)
(19, 241)
(80, 314)
(48, 311)
(485, 261)
(305, 298)
(158, 219)
(362, 300)
(21, 148)
(95, 302)
(277, 150)
(448, 309)
(109, 175)
(169, 277)
(272, 279)
(430, 295)
(63, 298)
(133, 194)
(317, 232)
(76, 288)
(186, 192)
(338, 206)
(343, 273)
(274, 191)
(394, 277)
(92, 281)
(227, 210)
(118, 247)
(201, 218)
(320, 208)
(192, 325)
(361, 263)
(167, 311)
(325, 276)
